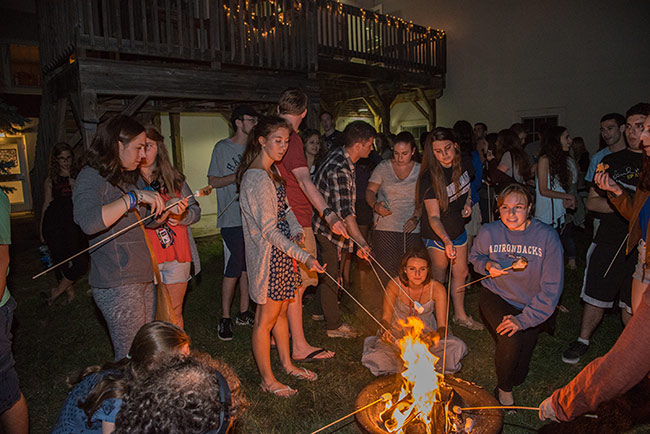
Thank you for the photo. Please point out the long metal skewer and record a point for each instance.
(356, 301)
(385, 397)
(617, 252)
(444, 344)
(228, 205)
(456, 409)
(482, 278)
(418, 306)
(197, 193)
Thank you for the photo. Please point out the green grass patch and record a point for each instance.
(53, 345)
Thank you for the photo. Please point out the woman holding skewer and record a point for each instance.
(444, 193)
(104, 201)
(391, 195)
(172, 241)
(58, 229)
(270, 229)
(516, 303)
(380, 353)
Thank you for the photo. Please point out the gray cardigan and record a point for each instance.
(122, 261)
(259, 210)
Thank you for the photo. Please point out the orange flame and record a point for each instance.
(419, 381)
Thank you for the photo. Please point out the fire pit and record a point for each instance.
(465, 394)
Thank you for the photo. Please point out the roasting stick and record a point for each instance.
(444, 344)
(198, 193)
(617, 252)
(456, 409)
(516, 265)
(418, 306)
(356, 301)
(234, 198)
(383, 288)
(383, 398)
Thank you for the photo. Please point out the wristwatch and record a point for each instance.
(327, 211)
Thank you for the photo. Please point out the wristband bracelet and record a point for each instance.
(125, 202)
(133, 201)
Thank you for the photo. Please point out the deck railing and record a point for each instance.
(268, 34)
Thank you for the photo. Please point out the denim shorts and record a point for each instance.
(9, 386)
(175, 272)
(439, 245)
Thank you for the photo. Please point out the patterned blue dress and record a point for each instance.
(283, 278)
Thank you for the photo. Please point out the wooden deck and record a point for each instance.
(278, 35)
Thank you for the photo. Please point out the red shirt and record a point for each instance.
(293, 159)
(179, 250)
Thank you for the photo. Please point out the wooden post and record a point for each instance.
(384, 101)
(177, 140)
(84, 108)
(431, 109)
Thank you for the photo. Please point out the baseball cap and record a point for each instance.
(243, 110)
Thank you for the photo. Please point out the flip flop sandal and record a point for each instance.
(282, 392)
(311, 357)
(304, 374)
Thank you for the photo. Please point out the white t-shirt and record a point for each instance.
(226, 156)
(506, 160)
(399, 194)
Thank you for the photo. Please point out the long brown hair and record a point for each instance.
(432, 167)
(266, 125)
(558, 164)
(508, 141)
(173, 180)
(103, 153)
(418, 253)
(153, 340)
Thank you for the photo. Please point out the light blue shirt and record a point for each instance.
(595, 161)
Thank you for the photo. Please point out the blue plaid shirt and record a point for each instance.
(335, 181)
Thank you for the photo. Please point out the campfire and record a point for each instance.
(422, 400)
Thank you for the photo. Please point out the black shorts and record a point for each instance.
(602, 291)
(9, 387)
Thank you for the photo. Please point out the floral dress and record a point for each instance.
(284, 279)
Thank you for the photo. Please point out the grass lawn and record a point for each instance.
(52, 345)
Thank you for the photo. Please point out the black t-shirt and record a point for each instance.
(333, 140)
(624, 168)
(452, 219)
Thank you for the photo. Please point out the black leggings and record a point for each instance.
(513, 354)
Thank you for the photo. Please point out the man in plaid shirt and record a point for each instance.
(335, 181)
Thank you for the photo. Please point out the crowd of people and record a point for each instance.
(296, 208)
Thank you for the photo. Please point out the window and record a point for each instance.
(416, 130)
(533, 123)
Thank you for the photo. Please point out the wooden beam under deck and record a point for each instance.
(124, 78)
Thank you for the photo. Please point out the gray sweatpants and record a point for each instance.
(125, 309)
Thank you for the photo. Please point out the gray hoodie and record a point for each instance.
(536, 290)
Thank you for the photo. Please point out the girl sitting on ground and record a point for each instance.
(380, 353)
(91, 406)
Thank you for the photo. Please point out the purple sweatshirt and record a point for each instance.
(535, 290)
